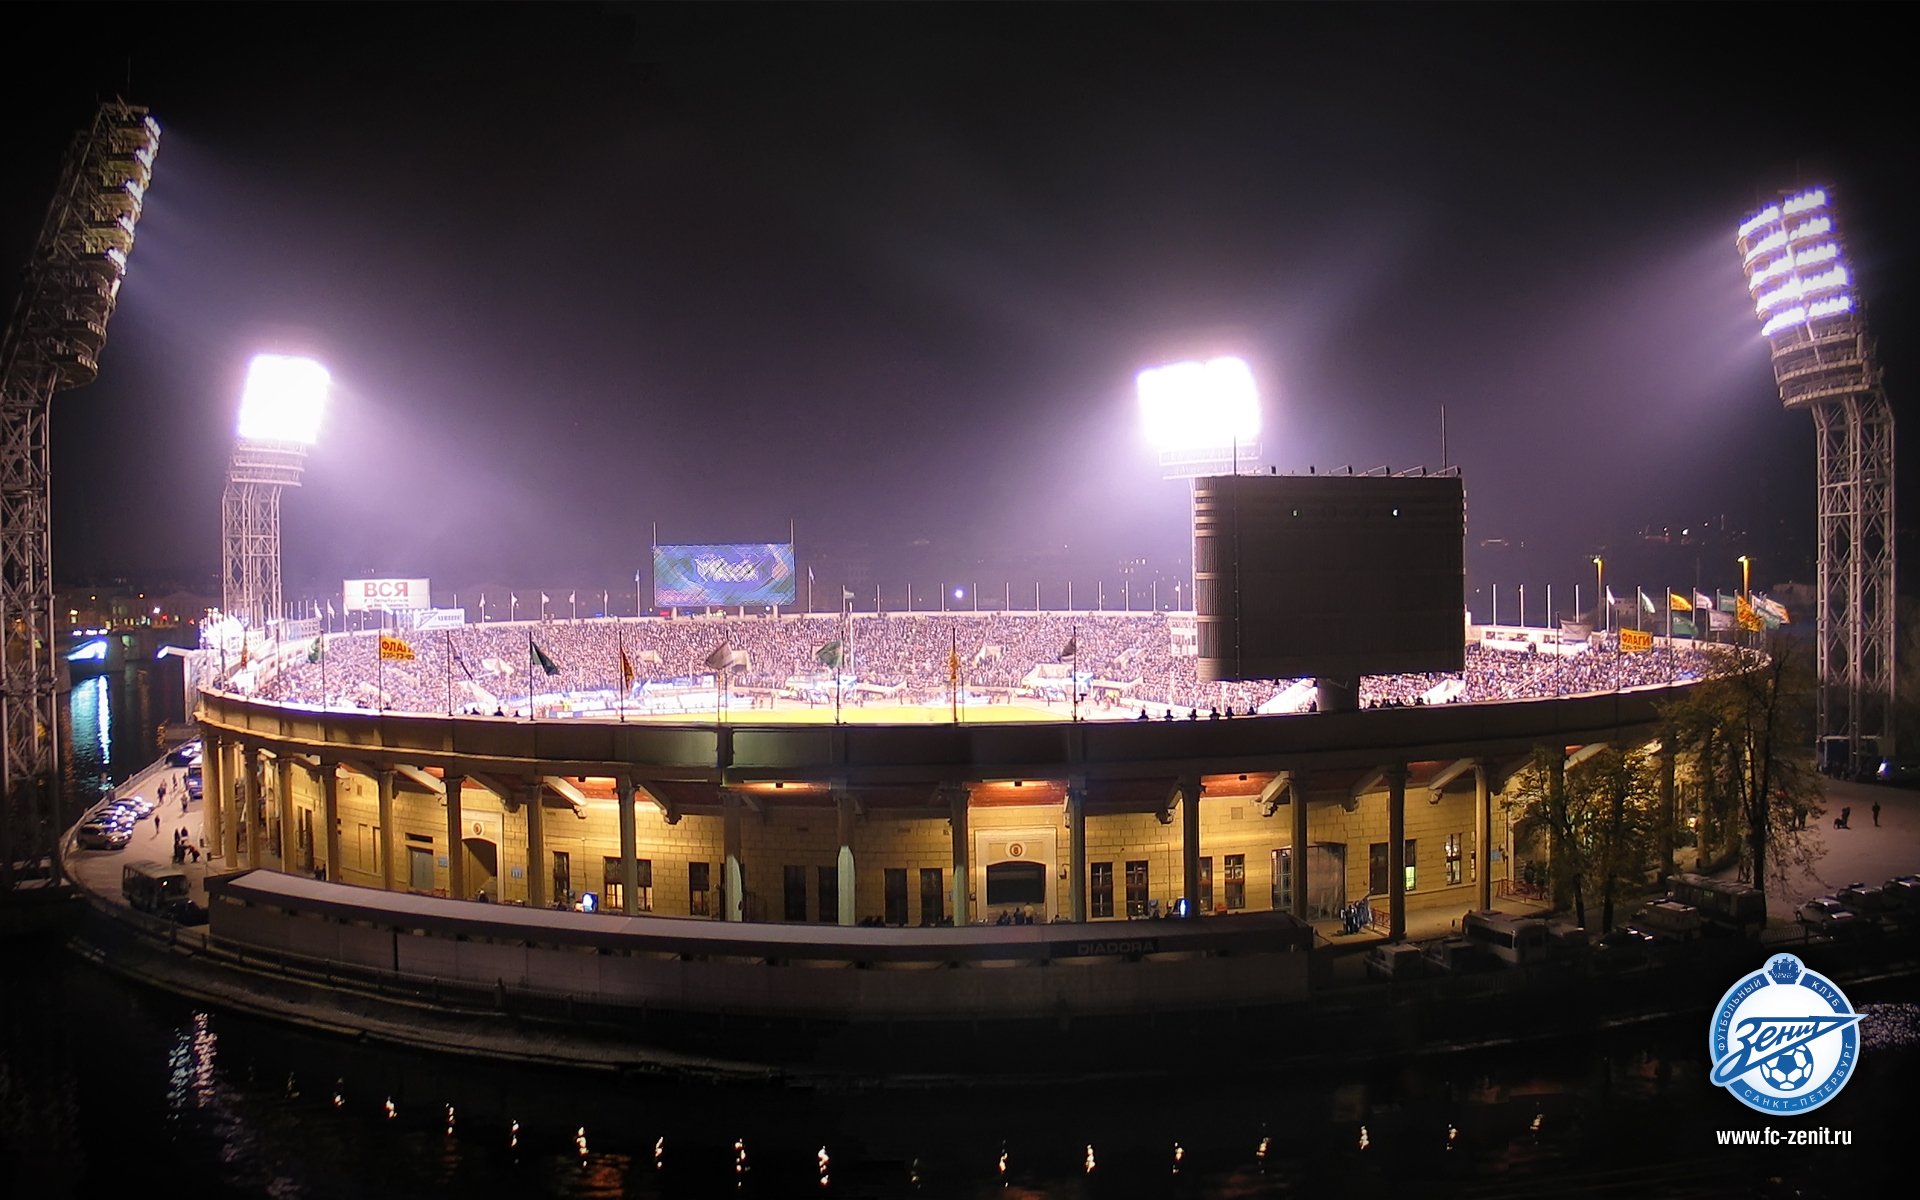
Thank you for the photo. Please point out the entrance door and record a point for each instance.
(1326, 880)
(896, 896)
(483, 868)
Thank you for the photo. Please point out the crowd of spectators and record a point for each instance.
(1123, 663)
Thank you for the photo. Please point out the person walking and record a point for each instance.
(1876, 813)
(156, 824)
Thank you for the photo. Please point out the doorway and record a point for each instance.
(483, 869)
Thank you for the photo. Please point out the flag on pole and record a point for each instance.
(1646, 603)
(846, 595)
(1678, 603)
(1718, 621)
(1070, 649)
(315, 651)
(1727, 603)
(833, 655)
(545, 599)
(1744, 616)
(392, 649)
(1684, 627)
(461, 659)
(329, 610)
(540, 656)
(1703, 602)
(1610, 600)
(1771, 607)
(626, 671)
(573, 597)
(720, 657)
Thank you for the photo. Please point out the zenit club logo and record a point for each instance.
(1784, 1040)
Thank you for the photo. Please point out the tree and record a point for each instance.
(1600, 817)
(1747, 734)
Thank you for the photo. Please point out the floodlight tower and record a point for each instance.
(279, 421)
(1823, 362)
(69, 288)
(1204, 419)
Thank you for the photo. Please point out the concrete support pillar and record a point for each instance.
(384, 782)
(1077, 850)
(961, 887)
(232, 801)
(538, 868)
(1189, 786)
(252, 804)
(330, 817)
(213, 813)
(629, 848)
(1482, 837)
(733, 880)
(1299, 898)
(289, 832)
(844, 814)
(1396, 852)
(456, 837)
(1668, 815)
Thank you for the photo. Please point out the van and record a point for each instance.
(155, 888)
(1396, 960)
(1515, 941)
(1669, 921)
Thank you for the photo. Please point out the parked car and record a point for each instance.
(196, 784)
(103, 835)
(1899, 772)
(1826, 915)
(140, 806)
(1622, 950)
(185, 754)
(1397, 960)
(1869, 902)
(1902, 896)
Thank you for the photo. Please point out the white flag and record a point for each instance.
(545, 599)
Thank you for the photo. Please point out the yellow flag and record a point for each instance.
(1678, 603)
(1744, 616)
(393, 649)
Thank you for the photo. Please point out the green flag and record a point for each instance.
(540, 656)
(314, 652)
(833, 654)
(1683, 627)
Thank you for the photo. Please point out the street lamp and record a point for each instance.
(1600, 592)
(1746, 575)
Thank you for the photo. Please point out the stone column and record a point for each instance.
(384, 782)
(1299, 898)
(1189, 786)
(233, 766)
(330, 817)
(1482, 836)
(962, 882)
(456, 837)
(1396, 852)
(289, 831)
(629, 848)
(1077, 850)
(537, 865)
(250, 797)
(212, 814)
(733, 876)
(843, 822)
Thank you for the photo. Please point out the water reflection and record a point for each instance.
(155, 1085)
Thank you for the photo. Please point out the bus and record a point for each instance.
(156, 888)
(1512, 940)
(1725, 906)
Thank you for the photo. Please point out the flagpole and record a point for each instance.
(626, 685)
(953, 672)
(380, 671)
(529, 674)
(1073, 667)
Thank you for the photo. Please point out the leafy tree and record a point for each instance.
(1600, 818)
(1747, 735)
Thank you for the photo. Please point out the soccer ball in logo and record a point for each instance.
(1789, 1070)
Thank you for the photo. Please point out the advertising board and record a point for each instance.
(385, 595)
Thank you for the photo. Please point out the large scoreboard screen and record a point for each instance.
(1335, 576)
(724, 575)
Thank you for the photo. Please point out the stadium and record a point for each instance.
(700, 802)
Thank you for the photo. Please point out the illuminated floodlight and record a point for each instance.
(283, 400)
(1200, 405)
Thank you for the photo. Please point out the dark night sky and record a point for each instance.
(889, 271)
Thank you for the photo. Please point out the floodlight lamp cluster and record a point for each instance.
(1200, 405)
(283, 400)
(91, 247)
(1796, 271)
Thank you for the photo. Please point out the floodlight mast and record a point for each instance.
(1204, 419)
(1823, 361)
(70, 286)
(279, 420)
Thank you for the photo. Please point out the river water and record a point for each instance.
(110, 1089)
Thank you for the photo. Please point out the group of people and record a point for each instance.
(1119, 662)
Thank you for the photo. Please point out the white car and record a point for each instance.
(1825, 914)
